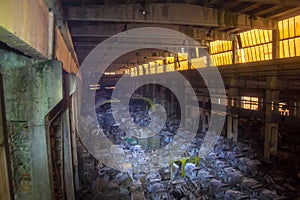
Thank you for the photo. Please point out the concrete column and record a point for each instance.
(234, 50)
(275, 44)
(233, 105)
(28, 100)
(229, 126)
(271, 124)
(162, 96)
(235, 124)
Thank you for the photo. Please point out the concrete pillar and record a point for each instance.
(31, 90)
(233, 106)
(271, 124)
(234, 50)
(235, 124)
(6, 185)
(229, 126)
(275, 44)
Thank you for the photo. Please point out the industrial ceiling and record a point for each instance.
(92, 21)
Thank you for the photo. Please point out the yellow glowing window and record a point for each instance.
(280, 30)
(152, 67)
(286, 48)
(261, 53)
(253, 36)
(292, 47)
(257, 53)
(140, 70)
(291, 27)
(183, 65)
(246, 40)
(160, 69)
(297, 44)
(182, 56)
(285, 28)
(170, 60)
(135, 71)
(254, 57)
(270, 51)
(262, 37)
(297, 25)
(281, 52)
(250, 103)
(243, 40)
(249, 38)
(199, 62)
(132, 72)
(267, 36)
(170, 67)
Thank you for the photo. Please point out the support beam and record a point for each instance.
(233, 104)
(268, 10)
(56, 8)
(275, 2)
(179, 14)
(108, 30)
(271, 126)
(251, 7)
(285, 14)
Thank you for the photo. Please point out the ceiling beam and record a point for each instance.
(286, 14)
(56, 8)
(176, 14)
(108, 30)
(251, 7)
(275, 2)
(268, 10)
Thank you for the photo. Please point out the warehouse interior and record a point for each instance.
(191, 72)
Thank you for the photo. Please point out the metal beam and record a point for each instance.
(108, 30)
(176, 14)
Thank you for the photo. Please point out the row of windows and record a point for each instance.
(255, 37)
(252, 103)
(289, 48)
(289, 36)
(289, 28)
(220, 46)
(158, 67)
(256, 53)
(199, 62)
(222, 58)
(255, 45)
(249, 103)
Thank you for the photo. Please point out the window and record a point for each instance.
(249, 103)
(221, 52)
(289, 34)
(199, 62)
(256, 46)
